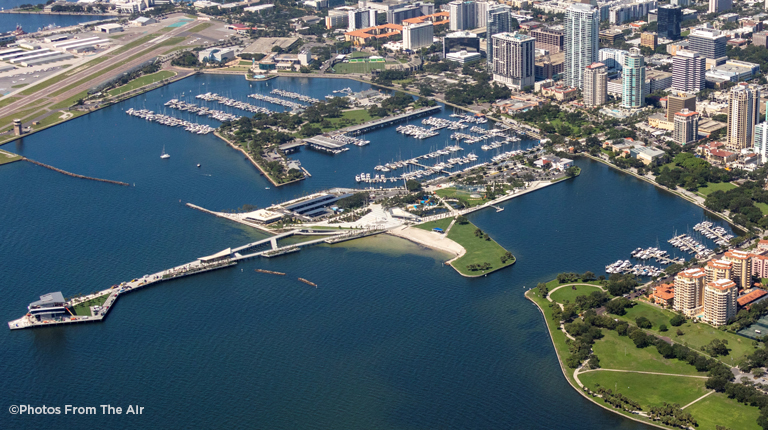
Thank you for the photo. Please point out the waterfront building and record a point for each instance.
(718, 269)
(582, 25)
(513, 59)
(688, 72)
(689, 291)
(633, 94)
(417, 36)
(743, 113)
(742, 267)
(649, 40)
(18, 129)
(707, 42)
(498, 21)
(549, 39)
(720, 302)
(717, 6)
(461, 41)
(676, 102)
(49, 307)
(686, 127)
(595, 85)
(669, 19)
(361, 18)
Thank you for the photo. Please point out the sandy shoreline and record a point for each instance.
(429, 239)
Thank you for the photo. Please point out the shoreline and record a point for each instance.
(663, 188)
(237, 148)
(565, 374)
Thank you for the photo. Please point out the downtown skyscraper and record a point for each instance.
(582, 25)
(498, 21)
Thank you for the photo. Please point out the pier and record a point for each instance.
(384, 122)
(229, 257)
(75, 175)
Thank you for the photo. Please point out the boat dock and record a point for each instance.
(713, 232)
(384, 122)
(326, 144)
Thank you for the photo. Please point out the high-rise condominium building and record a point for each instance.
(513, 59)
(743, 113)
(416, 36)
(720, 302)
(676, 102)
(498, 21)
(742, 267)
(595, 85)
(633, 91)
(688, 69)
(686, 127)
(689, 291)
(582, 26)
(718, 269)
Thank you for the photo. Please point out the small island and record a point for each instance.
(631, 356)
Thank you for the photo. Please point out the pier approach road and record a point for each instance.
(58, 92)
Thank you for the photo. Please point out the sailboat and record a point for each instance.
(164, 155)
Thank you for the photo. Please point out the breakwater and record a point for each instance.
(75, 175)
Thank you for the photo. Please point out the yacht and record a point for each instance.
(164, 155)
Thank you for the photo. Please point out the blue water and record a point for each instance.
(391, 339)
(32, 23)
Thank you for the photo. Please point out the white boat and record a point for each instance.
(164, 155)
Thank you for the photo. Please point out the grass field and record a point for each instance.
(440, 223)
(763, 207)
(7, 100)
(83, 309)
(619, 352)
(8, 157)
(348, 118)
(695, 335)
(359, 54)
(200, 27)
(712, 187)
(709, 413)
(140, 41)
(558, 336)
(648, 390)
(357, 67)
(568, 294)
(142, 81)
(463, 196)
(478, 250)
(655, 315)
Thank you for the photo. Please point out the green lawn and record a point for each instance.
(8, 100)
(19, 85)
(462, 196)
(440, 223)
(558, 336)
(712, 187)
(619, 352)
(478, 250)
(200, 27)
(83, 309)
(648, 390)
(357, 67)
(8, 157)
(142, 81)
(709, 413)
(655, 315)
(135, 43)
(359, 54)
(55, 118)
(695, 335)
(568, 294)
(348, 118)
(763, 207)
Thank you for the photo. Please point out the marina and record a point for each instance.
(212, 97)
(278, 101)
(201, 111)
(170, 121)
(295, 96)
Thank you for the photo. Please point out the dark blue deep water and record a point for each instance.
(32, 22)
(391, 339)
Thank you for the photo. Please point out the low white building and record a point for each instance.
(109, 28)
(463, 57)
(142, 21)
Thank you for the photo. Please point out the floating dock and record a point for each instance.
(384, 122)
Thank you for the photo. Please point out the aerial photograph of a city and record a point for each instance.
(384, 214)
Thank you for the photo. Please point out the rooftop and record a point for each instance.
(722, 284)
